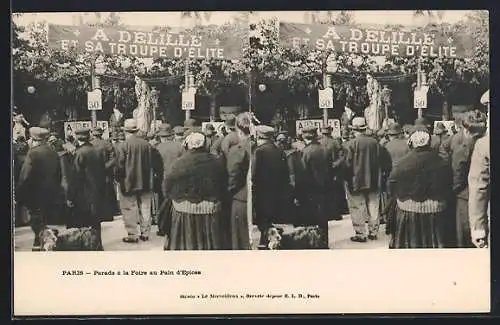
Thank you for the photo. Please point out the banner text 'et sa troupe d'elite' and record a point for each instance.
(123, 41)
(377, 42)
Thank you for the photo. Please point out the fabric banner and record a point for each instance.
(373, 41)
(124, 41)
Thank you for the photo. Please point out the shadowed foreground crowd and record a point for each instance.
(431, 190)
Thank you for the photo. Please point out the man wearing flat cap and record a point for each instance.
(314, 185)
(39, 179)
(231, 138)
(169, 151)
(87, 190)
(106, 149)
(135, 173)
(335, 155)
(178, 133)
(270, 181)
(455, 141)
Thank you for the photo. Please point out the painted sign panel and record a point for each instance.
(334, 123)
(69, 127)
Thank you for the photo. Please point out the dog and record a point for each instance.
(299, 238)
(73, 239)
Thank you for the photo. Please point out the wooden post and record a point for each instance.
(326, 83)
(96, 84)
(186, 85)
(420, 112)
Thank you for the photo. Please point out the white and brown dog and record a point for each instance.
(73, 239)
(299, 238)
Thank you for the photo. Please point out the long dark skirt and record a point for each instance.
(240, 234)
(195, 231)
(111, 207)
(418, 230)
(165, 216)
(462, 224)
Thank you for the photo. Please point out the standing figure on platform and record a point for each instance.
(116, 121)
(374, 114)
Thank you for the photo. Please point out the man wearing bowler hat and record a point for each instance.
(106, 149)
(87, 191)
(169, 151)
(270, 181)
(314, 185)
(39, 179)
(397, 147)
(135, 172)
(231, 138)
(365, 162)
(178, 134)
(455, 141)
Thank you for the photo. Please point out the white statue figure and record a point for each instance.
(374, 114)
(142, 113)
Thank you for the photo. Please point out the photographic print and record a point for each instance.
(318, 132)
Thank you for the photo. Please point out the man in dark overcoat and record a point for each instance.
(335, 155)
(238, 164)
(364, 164)
(39, 179)
(135, 173)
(86, 193)
(169, 151)
(315, 184)
(270, 180)
(106, 149)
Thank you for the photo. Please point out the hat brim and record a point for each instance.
(359, 128)
(126, 129)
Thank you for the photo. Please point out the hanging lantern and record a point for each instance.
(262, 87)
(31, 89)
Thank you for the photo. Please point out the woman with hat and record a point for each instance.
(474, 127)
(420, 183)
(196, 184)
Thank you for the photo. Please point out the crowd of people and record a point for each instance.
(206, 191)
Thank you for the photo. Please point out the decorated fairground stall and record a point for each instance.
(288, 74)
